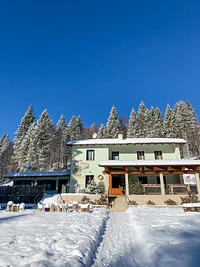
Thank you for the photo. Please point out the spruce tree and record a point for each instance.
(113, 124)
(33, 151)
(141, 124)
(72, 126)
(45, 137)
(60, 148)
(20, 134)
(79, 129)
(131, 124)
(6, 151)
(101, 131)
(169, 123)
(155, 123)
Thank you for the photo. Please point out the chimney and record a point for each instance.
(120, 136)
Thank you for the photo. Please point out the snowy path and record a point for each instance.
(148, 237)
(117, 246)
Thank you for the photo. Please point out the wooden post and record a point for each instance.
(110, 184)
(162, 186)
(197, 182)
(127, 184)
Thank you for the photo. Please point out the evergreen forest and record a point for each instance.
(41, 145)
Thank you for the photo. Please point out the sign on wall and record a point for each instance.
(189, 178)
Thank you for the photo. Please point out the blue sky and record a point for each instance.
(82, 57)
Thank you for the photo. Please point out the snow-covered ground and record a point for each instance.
(143, 236)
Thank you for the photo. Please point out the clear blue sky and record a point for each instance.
(82, 57)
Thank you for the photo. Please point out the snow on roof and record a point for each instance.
(184, 162)
(35, 174)
(127, 141)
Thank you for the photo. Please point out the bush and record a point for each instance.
(150, 202)
(94, 188)
(170, 202)
(85, 200)
(136, 188)
(103, 200)
(132, 202)
(190, 198)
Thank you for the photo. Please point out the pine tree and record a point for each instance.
(6, 151)
(151, 121)
(79, 129)
(101, 131)
(72, 126)
(25, 123)
(131, 124)
(155, 123)
(60, 148)
(141, 125)
(45, 137)
(33, 151)
(169, 123)
(113, 124)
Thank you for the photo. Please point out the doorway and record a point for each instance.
(62, 183)
(117, 185)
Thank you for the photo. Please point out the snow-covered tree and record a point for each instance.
(131, 133)
(186, 121)
(29, 150)
(33, 150)
(113, 124)
(6, 150)
(45, 137)
(169, 123)
(155, 123)
(141, 124)
(79, 129)
(101, 131)
(72, 126)
(20, 134)
(60, 148)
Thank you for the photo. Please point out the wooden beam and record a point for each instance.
(126, 169)
(141, 169)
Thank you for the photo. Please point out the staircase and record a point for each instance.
(119, 204)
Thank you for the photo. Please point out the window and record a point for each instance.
(48, 184)
(143, 179)
(115, 155)
(158, 154)
(140, 154)
(90, 155)
(89, 179)
(158, 179)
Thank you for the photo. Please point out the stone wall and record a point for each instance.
(70, 198)
(157, 199)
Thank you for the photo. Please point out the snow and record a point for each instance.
(142, 237)
(37, 174)
(128, 141)
(150, 162)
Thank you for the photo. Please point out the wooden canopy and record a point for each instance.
(151, 167)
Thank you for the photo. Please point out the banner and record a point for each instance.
(189, 178)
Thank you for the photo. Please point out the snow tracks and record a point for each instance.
(150, 237)
(118, 245)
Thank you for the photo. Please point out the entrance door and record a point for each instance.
(60, 185)
(117, 185)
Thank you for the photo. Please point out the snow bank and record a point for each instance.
(33, 238)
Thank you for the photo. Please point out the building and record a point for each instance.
(53, 182)
(120, 163)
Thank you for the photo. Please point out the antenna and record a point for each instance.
(94, 135)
